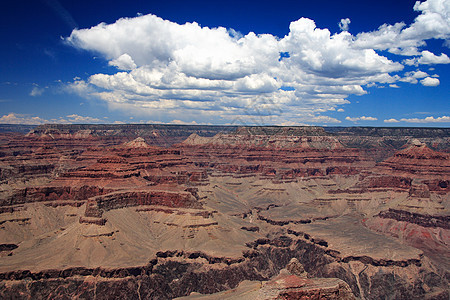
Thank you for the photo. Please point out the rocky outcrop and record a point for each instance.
(152, 197)
(92, 220)
(159, 135)
(53, 193)
(401, 132)
(270, 140)
(385, 181)
(292, 287)
(137, 143)
(418, 161)
(127, 218)
(7, 247)
(431, 239)
(278, 156)
(167, 276)
(441, 186)
(415, 218)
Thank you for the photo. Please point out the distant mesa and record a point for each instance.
(282, 130)
(250, 137)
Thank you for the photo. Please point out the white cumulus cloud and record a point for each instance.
(431, 119)
(179, 122)
(13, 118)
(428, 58)
(413, 76)
(433, 22)
(443, 119)
(216, 75)
(344, 23)
(363, 118)
(430, 81)
(391, 121)
(123, 62)
(324, 119)
(74, 118)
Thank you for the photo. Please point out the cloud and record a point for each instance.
(332, 57)
(443, 119)
(343, 24)
(433, 22)
(324, 119)
(123, 62)
(79, 87)
(80, 119)
(36, 91)
(13, 118)
(179, 122)
(218, 74)
(391, 121)
(411, 77)
(292, 123)
(429, 81)
(428, 58)
(363, 118)
(417, 74)
(215, 75)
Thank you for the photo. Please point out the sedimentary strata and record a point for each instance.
(104, 211)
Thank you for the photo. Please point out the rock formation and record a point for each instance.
(104, 211)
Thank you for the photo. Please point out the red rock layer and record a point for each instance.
(149, 197)
(283, 157)
(418, 161)
(416, 169)
(292, 287)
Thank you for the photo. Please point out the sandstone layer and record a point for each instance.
(104, 211)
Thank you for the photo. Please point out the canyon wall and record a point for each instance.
(165, 211)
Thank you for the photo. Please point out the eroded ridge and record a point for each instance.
(264, 212)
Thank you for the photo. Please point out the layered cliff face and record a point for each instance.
(263, 212)
(381, 143)
(415, 180)
(280, 157)
(418, 161)
(160, 135)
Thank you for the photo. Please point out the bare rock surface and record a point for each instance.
(105, 211)
(285, 287)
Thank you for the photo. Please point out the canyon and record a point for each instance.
(224, 212)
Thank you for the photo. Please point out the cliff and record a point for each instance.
(165, 211)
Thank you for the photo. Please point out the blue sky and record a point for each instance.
(332, 63)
